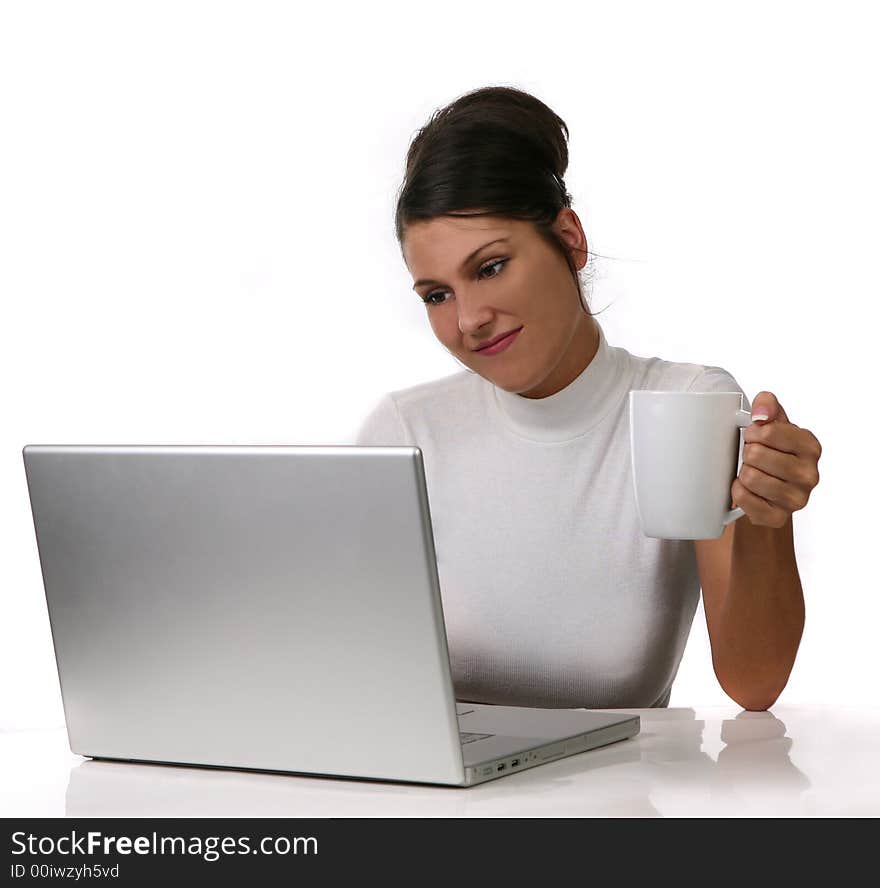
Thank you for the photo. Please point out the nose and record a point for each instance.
(471, 314)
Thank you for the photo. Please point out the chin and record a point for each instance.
(514, 386)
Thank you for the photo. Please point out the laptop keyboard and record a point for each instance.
(467, 737)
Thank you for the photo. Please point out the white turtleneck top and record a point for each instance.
(552, 595)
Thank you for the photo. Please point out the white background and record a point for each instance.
(196, 241)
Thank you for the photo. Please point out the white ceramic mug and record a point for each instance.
(684, 449)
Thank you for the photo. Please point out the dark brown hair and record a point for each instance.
(498, 148)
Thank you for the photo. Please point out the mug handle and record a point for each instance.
(742, 419)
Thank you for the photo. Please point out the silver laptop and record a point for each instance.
(267, 608)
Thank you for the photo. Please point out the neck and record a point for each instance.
(581, 350)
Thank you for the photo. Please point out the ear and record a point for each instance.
(568, 226)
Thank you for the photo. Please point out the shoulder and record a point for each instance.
(436, 392)
(660, 374)
(396, 414)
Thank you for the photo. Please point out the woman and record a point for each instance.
(552, 595)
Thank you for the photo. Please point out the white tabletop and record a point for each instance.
(795, 761)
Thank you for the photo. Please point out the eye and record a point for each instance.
(496, 262)
(500, 262)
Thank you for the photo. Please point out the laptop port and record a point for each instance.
(514, 763)
(501, 766)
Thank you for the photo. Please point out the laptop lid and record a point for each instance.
(260, 607)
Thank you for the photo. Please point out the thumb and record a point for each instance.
(766, 407)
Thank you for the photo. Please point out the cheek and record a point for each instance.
(445, 328)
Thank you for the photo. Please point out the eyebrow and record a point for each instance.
(499, 240)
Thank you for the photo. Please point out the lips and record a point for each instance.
(498, 338)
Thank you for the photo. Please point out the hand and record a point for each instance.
(780, 465)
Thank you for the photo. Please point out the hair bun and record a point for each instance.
(518, 112)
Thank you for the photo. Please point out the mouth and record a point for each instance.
(499, 343)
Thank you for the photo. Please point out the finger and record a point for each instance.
(785, 437)
(756, 507)
(784, 466)
(811, 445)
(781, 494)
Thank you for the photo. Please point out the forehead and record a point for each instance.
(450, 239)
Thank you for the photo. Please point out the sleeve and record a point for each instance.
(717, 379)
(383, 425)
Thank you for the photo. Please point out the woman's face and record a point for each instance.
(487, 275)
